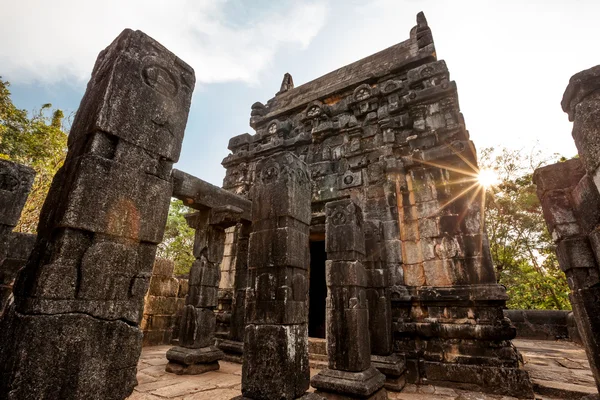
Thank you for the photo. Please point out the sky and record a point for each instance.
(512, 60)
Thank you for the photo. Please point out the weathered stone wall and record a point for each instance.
(163, 304)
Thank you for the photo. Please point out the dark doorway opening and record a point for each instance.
(317, 290)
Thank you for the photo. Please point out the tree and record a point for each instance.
(521, 246)
(38, 141)
(178, 240)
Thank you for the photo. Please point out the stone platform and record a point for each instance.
(558, 369)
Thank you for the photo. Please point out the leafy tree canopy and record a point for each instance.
(38, 141)
(521, 246)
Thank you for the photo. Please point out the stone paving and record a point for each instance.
(559, 370)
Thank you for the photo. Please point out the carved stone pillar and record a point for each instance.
(196, 352)
(73, 331)
(276, 335)
(571, 205)
(238, 312)
(348, 345)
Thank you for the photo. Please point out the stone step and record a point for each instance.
(317, 364)
(317, 357)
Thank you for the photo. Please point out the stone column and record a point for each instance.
(73, 331)
(578, 248)
(238, 318)
(15, 184)
(197, 352)
(276, 335)
(348, 346)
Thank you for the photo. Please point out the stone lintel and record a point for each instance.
(199, 194)
(359, 384)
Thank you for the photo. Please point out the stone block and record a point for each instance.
(279, 247)
(439, 272)
(209, 242)
(357, 384)
(117, 210)
(100, 355)
(586, 203)
(197, 327)
(163, 286)
(278, 355)
(202, 296)
(348, 346)
(163, 267)
(284, 189)
(575, 253)
(411, 252)
(392, 251)
(204, 273)
(497, 380)
(188, 356)
(557, 208)
(344, 233)
(134, 70)
(414, 274)
(15, 184)
(345, 273)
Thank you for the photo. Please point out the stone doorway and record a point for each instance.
(317, 290)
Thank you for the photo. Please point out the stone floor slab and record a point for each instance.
(559, 370)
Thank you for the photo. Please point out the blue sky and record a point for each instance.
(511, 59)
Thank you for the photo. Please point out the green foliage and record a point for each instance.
(38, 141)
(521, 247)
(178, 240)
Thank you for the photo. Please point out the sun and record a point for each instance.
(487, 178)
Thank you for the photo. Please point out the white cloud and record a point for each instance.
(60, 40)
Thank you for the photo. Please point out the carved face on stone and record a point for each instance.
(314, 111)
(363, 94)
(272, 128)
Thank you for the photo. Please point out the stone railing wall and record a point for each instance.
(544, 324)
(163, 304)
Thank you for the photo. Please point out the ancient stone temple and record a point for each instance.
(386, 134)
(570, 196)
(73, 330)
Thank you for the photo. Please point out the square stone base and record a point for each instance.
(352, 384)
(393, 367)
(381, 394)
(184, 361)
(194, 369)
(186, 356)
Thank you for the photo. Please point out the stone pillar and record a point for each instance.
(238, 317)
(348, 346)
(571, 203)
(276, 335)
(73, 331)
(15, 184)
(197, 352)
